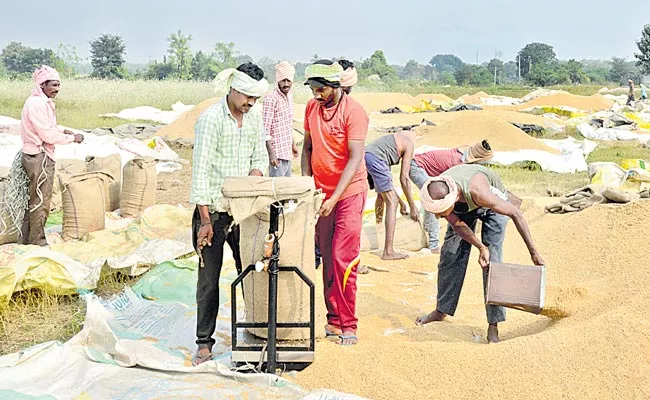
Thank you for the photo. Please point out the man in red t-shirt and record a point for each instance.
(335, 132)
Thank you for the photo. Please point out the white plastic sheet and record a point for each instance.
(99, 146)
(500, 101)
(128, 331)
(8, 121)
(611, 134)
(147, 113)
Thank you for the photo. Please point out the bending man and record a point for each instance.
(381, 154)
(463, 195)
(433, 163)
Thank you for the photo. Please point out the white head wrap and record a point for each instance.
(349, 77)
(441, 205)
(241, 82)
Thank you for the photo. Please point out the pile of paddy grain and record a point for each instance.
(585, 103)
(473, 99)
(597, 280)
(435, 98)
(469, 127)
(373, 102)
(183, 127)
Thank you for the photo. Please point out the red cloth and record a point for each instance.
(330, 152)
(278, 117)
(435, 162)
(339, 240)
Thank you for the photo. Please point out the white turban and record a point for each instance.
(241, 82)
(284, 70)
(349, 77)
(441, 205)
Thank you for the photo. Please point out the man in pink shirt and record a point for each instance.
(278, 117)
(39, 133)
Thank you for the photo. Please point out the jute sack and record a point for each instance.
(63, 170)
(139, 183)
(296, 249)
(111, 165)
(8, 234)
(83, 204)
(409, 236)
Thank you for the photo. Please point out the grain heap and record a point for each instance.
(183, 127)
(595, 345)
(435, 98)
(471, 126)
(474, 99)
(585, 103)
(373, 102)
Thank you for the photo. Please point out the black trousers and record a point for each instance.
(207, 286)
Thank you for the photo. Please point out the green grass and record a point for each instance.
(80, 101)
(33, 316)
(529, 180)
(617, 151)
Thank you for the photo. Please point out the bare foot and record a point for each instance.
(433, 316)
(348, 338)
(435, 251)
(332, 330)
(393, 255)
(493, 334)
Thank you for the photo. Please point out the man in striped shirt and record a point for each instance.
(278, 116)
(229, 141)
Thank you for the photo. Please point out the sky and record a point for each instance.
(296, 30)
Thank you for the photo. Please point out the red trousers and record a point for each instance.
(339, 239)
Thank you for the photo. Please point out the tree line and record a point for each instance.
(535, 64)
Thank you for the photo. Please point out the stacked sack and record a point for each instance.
(138, 186)
(84, 200)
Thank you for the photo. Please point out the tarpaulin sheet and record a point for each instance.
(155, 340)
(162, 233)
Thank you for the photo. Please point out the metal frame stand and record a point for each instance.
(292, 357)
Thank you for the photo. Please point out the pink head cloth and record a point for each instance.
(284, 70)
(349, 77)
(441, 205)
(43, 74)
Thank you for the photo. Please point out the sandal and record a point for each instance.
(201, 358)
(364, 269)
(330, 333)
(350, 338)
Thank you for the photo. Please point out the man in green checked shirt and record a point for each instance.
(229, 141)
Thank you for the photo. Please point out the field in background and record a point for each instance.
(82, 100)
